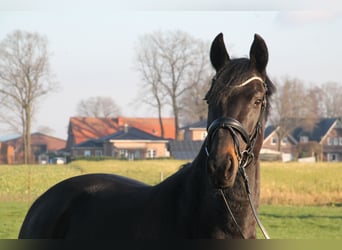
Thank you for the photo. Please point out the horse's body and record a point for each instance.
(109, 206)
(187, 204)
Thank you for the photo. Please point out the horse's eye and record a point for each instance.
(258, 102)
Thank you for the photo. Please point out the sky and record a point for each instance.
(93, 43)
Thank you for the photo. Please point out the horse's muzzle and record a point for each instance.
(223, 171)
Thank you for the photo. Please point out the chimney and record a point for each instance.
(125, 127)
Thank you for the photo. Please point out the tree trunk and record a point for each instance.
(279, 141)
(162, 132)
(27, 135)
(176, 114)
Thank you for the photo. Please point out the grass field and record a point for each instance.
(299, 201)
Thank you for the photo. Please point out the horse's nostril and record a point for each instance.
(229, 168)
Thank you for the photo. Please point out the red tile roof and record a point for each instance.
(84, 128)
(151, 125)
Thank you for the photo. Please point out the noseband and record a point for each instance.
(246, 156)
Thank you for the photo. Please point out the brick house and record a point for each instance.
(82, 129)
(128, 143)
(323, 142)
(273, 149)
(196, 131)
(193, 136)
(12, 150)
(6, 153)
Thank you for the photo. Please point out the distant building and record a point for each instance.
(136, 138)
(82, 129)
(193, 136)
(129, 143)
(12, 150)
(196, 131)
(323, 142)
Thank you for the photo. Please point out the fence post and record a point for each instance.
(161, 176)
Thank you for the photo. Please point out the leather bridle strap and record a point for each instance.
(233, 126)
(262, 228)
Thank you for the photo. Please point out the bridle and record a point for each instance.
(246, 156)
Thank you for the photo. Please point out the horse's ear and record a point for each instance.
(259, 53)
(218, 53)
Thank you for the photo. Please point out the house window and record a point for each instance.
(123, 153)
(87, 153)
(137, 154)
(204, 135)
(335, 141)
(98, 153)
(151, 153)
(274, 140)
(340, 141)
(329, 141)
(303, 138)
(332, 157)
(284, 141)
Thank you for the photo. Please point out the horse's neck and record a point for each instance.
(197, 180)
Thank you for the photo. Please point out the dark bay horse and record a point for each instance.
(207, 198)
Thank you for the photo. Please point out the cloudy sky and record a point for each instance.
(93, 42)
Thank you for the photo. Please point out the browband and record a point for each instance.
(250, 80)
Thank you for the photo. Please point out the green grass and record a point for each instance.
(281, 222)
(302, 222)
(148, 171)
(26, 183)
(301, 183)
(298, 201)
(11, 217)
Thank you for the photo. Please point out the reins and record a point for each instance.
(245, 157)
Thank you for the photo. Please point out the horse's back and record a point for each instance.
(53, 213)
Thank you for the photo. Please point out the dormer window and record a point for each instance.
(284, 141)
(304, 138)
(274, 140)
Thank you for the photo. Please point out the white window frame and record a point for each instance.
(284, 141)
(304, 138)
(335, 141)
(151, 153)
(87, 153)
(274, 140)
(204, 135)
(123, 153)
(333, 157)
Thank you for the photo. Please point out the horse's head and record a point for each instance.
(237, 109)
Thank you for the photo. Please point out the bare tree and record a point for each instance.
(25, 77)
(194, 106)
(171, 63)
(292, 106)
(151, 89)
(331, 99)
(99, 106)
